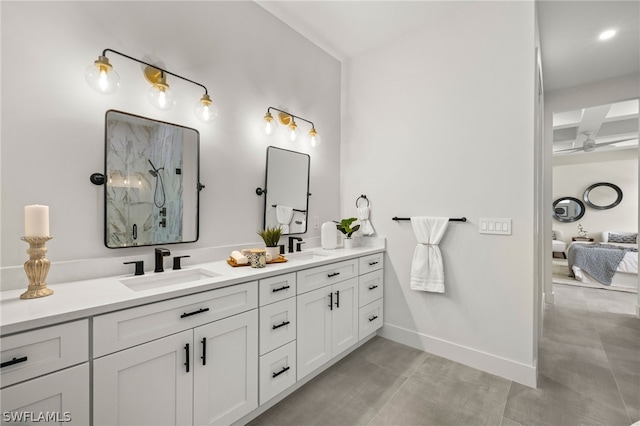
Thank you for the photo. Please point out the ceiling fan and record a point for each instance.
(590, 144)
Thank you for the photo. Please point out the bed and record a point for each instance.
(588, 262)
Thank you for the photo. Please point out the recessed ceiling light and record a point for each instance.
(606, 35)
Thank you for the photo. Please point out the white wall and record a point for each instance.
(53, 123)
(441, 123)
(617, 167)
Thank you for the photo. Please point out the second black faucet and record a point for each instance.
(160, 254)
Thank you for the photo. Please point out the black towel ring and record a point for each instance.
(364, 197)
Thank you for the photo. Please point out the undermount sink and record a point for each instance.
(307, 255)
(163, 279)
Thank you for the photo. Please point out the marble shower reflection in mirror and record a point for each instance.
(151, 179)
(287, 190)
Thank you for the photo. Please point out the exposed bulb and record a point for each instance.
(293, 130)
(160, 95)
(205, 110)
(101, 77)
(315, 137)
(269, 124)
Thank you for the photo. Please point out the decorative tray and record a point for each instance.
(281, 259)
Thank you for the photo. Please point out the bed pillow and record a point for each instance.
(623, 238)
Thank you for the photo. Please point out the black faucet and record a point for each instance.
(298, 245)
(160, 253)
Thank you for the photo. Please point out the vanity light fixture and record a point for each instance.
(288, 121)
(103, 79)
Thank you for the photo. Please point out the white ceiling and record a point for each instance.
(571, 52)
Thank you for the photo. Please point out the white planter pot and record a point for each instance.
(347, 243)
(274, 252)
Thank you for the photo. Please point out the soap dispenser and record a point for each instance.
(329, 236)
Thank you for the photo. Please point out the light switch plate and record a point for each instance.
(497, 226)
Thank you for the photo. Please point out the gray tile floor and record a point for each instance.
(589, 374)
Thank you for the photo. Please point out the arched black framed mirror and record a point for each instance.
(602, 196)
(568, 209)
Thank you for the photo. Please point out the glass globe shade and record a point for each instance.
(315, 138)
(268, 124)
(205, 110)
(292, 131)
(101, 77)
(161, 97)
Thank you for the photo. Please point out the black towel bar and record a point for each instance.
(451, 219)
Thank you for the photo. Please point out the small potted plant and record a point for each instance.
(271, 237)
(344, 226)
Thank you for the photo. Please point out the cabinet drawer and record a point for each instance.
(119, 330)
(371, 318)
(277, 325)
(370, 287)
(322, 276)
(38, 352)
(277, 371)
(277, 288)
(372, 262)
(63, 394)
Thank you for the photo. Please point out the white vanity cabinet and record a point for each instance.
(45, 375)
(278, 326)
(371, 290)
(206, 372)
(327, 316)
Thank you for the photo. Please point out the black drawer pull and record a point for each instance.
(331, 301)
(282, 325)
(373, 263)
(199, 311)
(281, 288)
(204, 351)
(186, 348)
(338, 299)
(371, 287)
(372, 318)
(281, 371)
(333, 275)
(13, 362)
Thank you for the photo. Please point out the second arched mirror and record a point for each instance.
(568, 209)
(602, 196)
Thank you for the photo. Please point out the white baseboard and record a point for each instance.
(511, 370)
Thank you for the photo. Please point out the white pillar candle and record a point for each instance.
(36, 221)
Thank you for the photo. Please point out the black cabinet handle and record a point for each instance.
(371, 287)
(373, 263)
(337, 298)
(186, 348)
(372, 318)
(333, 275)
(281, 288)
(281, 371)
(331, 301)
(13, 362)
(199, 311)
(204, 351)
(281, 325)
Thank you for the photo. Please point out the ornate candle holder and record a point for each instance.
(37, 268)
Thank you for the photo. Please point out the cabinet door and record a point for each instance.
(344, 321)
(57, 398)
(225, 386)
(314, 330)
(145, 385)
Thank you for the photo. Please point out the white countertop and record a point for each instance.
(81, 299)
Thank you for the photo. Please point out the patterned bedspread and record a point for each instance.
(599, 260)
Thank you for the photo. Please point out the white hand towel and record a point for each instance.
(283, 216)
(365, 225)
(239, 258)
(427, 271)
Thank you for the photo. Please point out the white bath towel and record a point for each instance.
(239, 257)
(283, 216)
(427, 270)
(365, 224)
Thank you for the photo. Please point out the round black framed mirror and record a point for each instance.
(568, 209)
(602, 196)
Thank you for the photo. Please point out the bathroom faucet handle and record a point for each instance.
(299, 245)
(139, 266)
(176, 261)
